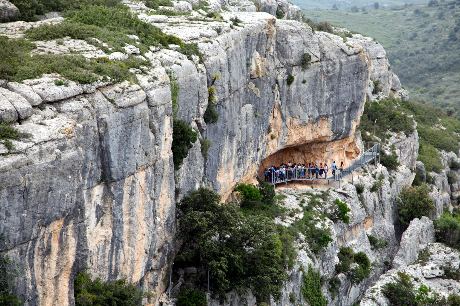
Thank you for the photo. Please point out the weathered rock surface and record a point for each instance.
(8, 11)
(93, 187)
(430, 272)
(417, 236)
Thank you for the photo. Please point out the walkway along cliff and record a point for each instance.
(94, 186)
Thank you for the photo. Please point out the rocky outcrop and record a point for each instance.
(417, 236)
(94, 185)
(435, 270)
(8, 11)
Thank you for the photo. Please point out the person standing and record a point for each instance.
(334, 169)
(326, 169)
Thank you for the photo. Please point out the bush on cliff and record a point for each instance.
(183, 139)
(390, 161)
(7, 275)
(18, 65)
(383, 116)
(347, 257)
(239, 251)
(448, 230)
(30, 9)
(414, 202)
(89, 292)
(311, 288)
(191, 297)
(402, 292)
(9, 133)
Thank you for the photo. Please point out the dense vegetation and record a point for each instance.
(448, 230)
(402, 292)
(183, 139)
(311, 288)
(347, 257)
(414, 202)
(89, 292)
(191, 297)
(18, 65)
(384, 116)
(422, 43)
(109, 28)
(437, 130)
(30, 9)
(239, 251)
(7, 275)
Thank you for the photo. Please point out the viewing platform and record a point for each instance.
(305, 174)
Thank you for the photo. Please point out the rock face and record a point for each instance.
(94, 184)
(417, 236)
(8, 11)
(434, 270)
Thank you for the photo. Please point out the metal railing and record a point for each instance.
(290, 174)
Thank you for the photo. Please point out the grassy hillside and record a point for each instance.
(341, 4)
(422, 42)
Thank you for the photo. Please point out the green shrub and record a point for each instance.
(343, 211)
(8, 273)
(205, 145)
(183, 139)
(383, 116)
(235, 21)
(280, 13)
(19, 65)
(154, 4)
(316, 236)
(378, 88)
(346, 258)
(305, 62)
(414, 202)
(429, 155)
(448, 230)
(249, 192)
(359, 188)
(363, 270)
(211, 115)
(377, 185)
(452, 177)
(334, 286)
(191, 297)
(311, 288)
(454, 165)
(8, 133)
(29, 9)
(324, 27)
(111, 25)
(377, 243)
(290, 79)
(174, 87)
(88, 292)
(390, 161)
(239, 251)
(400, 292)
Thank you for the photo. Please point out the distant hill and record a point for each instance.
(422, 42)
(346, 4)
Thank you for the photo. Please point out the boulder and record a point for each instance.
(8, 11)
(417, 236)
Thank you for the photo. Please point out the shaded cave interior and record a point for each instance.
(344, 150)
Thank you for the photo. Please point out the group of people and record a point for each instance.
(290, 171)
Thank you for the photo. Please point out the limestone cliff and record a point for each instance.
(94, 186)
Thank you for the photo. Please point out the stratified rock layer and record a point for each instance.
(93, 186)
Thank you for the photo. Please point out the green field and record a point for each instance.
(422, 42)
